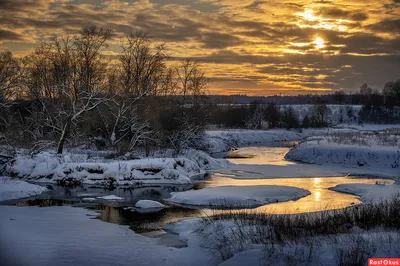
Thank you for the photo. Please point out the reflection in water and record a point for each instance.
(317, 189)
(260, 155)
(321, 197)
(146, 222)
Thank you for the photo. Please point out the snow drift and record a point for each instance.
(61, 169)
(15, 189)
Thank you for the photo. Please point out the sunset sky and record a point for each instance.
(245, 46)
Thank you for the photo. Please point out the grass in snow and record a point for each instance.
(353, 234)
(387, 138)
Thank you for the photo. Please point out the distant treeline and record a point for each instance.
(389, 95)
(347, 99)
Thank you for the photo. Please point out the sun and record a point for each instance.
(319, 43)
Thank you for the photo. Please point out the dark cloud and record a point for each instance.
(387, 25)
(217, 40)
(337, 13)
(7, 35)
(359, 16)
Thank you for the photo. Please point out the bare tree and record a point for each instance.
(185, 134)
(365, 90)
(320, 112)
(192, 82)
(68, 80)
(127, 124)
(88, 45)
(142, 64)
(392, 89)
(183, 121)
(142, 72)
(9, 74)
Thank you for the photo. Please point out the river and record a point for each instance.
(122, 212)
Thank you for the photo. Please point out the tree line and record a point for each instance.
(69, 91)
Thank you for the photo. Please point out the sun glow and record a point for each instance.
(319, 43)
(308, 14)
(311, 20)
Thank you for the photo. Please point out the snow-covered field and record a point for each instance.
(15, 189)
(237, 196)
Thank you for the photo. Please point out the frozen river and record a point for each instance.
(121, 212)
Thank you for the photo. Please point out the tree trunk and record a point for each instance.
(63, 137)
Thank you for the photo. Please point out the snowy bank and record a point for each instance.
(369, 192)
(237, 196)
(15, 189)
(61, 169)
(323, 152)
(224, 140)
(202, 159)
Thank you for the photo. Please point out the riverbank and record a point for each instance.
(364, 152)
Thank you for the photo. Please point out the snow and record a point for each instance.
(369, 192)
(15, 189)
(325, 151)
(110, 197)
(202, 159)
(148, 204)
(51, 168)
(242, 242)
(89, 199)
(185, 229)
(351, 249)
(224, 140)
(248, 257)
(228, 139)
(237, 196)
(70, 236)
